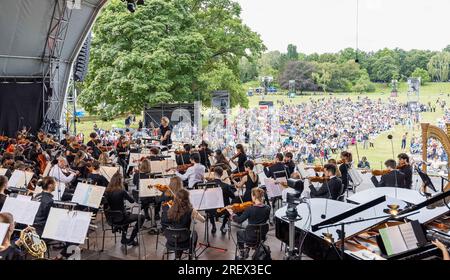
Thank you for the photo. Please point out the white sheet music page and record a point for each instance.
(68, 226)
(409, 236)
(108, 171)
(134, 159)
(212, 198)
(20, 179)
(3, 171)
(3, 230)
(146, 188)
(88, 195)
(273, 189)
(23, 211)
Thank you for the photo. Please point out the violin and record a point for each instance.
(181, 168)
(42, 160)
(239, 174)
(161, 188)
(317, 168)
(180, 152)
(380, 172)
(168, 203)
(236, 208)
(401, 166)
(267, 163)
(341, 161)
(3, 138)
(317, 179)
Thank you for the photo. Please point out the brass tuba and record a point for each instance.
(32, 243)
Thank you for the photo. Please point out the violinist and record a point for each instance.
(122, 154)
(144, 172)
(334, 162)
(180, 216)
(222, 161)
(175, 184)
(205, 153)
(104, 159)
(331, 188)
(405, 168)
(62, 173)
(257, 214)
(8, 163)
(289, 164)
(48, 185)
(72, 149)
(242, 158)
(278, 169)
(94, 145)
(250, 181)
(228, 194)
(394, 177)
(183, 156)
(194, 174)
(66, 140)
(346, 159)
(95, 176)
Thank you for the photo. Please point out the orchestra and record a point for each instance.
(244, 193)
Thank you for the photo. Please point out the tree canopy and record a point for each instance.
(167, 51)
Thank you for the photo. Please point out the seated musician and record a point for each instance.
(331, 188)
(394, 178)
(144, 172)
(184, 157)
(222, 161)
(8, 251)
(334, 162)
(289, 164)
(249, 181)
(62, 173)
(278, 169)
(3, 187)
(104, 159)
(72, 149)
(179, 216)
(154, 154)
(228, 194)
(175, 184)
(194, 174)
(405, 168)
(93, 144)
(95, 176)
(8, 163)
(116, 195)
(257, 214)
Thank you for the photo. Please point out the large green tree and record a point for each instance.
(422, 74)
(162, 52)
(438, 67)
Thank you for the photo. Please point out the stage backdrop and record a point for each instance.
(183, 112)
(20, 105)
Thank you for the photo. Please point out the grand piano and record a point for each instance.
(360, 241)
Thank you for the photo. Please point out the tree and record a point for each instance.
(385, 69)
(322, 78)
(292, 53)
(158, 53)
(446, 49)
(301, 72)
(422, 74)
(438, 67)
(248, 70)
(363, 84)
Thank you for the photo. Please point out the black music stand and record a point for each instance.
(426, 180)
(206, 243)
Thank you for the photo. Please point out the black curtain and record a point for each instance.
(20, 105)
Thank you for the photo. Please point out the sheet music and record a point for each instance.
(88, 195)
(273, 189)
(3, 171)
(301, 170)
(108, 171)
(68, 226)
(135, 158)
(57, 193)
(47, 169)
(145, 191)
(23, 197)
(393, 240)
(23, 211)
(20, 179)
(212, 198)
(158, 166)
(3, 230)
(409, 235)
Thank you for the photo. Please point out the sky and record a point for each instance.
(330, 25)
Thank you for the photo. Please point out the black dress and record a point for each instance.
(163, 131)
(98, 179)
(12, 253)
(2, 200)
(184, 222)
(249, 185)
(242, 158)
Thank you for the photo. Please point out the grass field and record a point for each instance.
(376, 155)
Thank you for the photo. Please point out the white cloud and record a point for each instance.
(330, 25)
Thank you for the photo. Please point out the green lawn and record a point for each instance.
(382, 150)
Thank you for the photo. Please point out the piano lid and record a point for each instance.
(410, 196)
(430, 209)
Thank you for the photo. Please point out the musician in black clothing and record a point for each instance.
(394, 178)
(205, 153)
(405, 168)
(289, 164)
(144, 172)
(249, 181)
(97, 178)
(346, 158)
(48, 185)
(93, 144)
(179, 216)
(3, 186)
(165, 131)
(242, 158)
(8, 163)
(332, 188)
(184, 158)
(257, 214)
(8, 251)
(278, 169)
(228, 194)
(122, 154)
(175, 184)
(116, 195)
